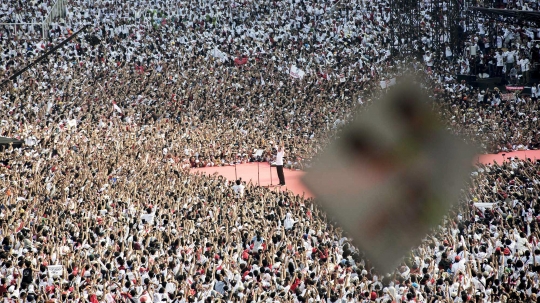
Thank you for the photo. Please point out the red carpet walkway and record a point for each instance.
(489, 158)
(293, 180)
(249, 171)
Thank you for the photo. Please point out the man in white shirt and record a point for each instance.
(279, 164)
(500, 63)
(238, 189)
(459, 265)
(525, 64)
(428, 58)
(510, 59)
(481, 96)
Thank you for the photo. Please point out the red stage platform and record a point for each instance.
(249, 171)
(293, 178)
(489, 158)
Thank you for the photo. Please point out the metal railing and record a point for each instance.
(21, 29)
(58, 10)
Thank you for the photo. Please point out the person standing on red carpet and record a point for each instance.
(279, 164)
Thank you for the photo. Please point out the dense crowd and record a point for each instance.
(229, 68)
(136, 229)
(492, 123)
(113, 121)
(496, 49)
(501, 47)
(530, 5)
(166, 62)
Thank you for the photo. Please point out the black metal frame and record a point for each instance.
(525, 16)
(408, 28)
(52, 50)
(404, 25)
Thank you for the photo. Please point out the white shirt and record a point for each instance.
(279, 157)
(448, 51)
(458, 266)
(288, 223)
(510, 56)
(524, 64)
(239, 190)
(428, 60)
(257, 244)
(500, 60)
(480, 97)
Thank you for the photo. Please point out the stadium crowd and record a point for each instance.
(166, 63)
(511, 5)
(113, 121)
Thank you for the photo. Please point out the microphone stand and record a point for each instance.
(258, 158)
(235, 174)
(271, 180)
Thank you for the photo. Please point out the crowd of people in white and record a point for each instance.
(100, 207)
(527, 5)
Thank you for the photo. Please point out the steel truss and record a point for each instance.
(426, 25)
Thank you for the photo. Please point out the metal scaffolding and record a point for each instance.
(428, 25)
(405, 26)
(57, 11)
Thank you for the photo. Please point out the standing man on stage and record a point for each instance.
(279, 164)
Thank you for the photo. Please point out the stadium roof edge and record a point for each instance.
(530, 16)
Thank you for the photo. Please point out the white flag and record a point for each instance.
(72, 123)
(219, 54)
(388, 83)
(55, 270)
(296, 73)
(116, 107)
(40, 46)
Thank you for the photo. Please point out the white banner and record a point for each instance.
(116, 107)
(388, 83)
(149, 218)
(484, 205)
(55, 270)
(40, 46)
(72, 123)
(508, 97)
(296, 73)
(216, 53)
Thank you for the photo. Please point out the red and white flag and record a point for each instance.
(323, 75)
(296, 73)
(116, 107)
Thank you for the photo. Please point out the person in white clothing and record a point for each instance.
(510, 59)
(525, 65)
(279, 164)
(288, 223)
(428, 58)
(238, 189)
(500, 63)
